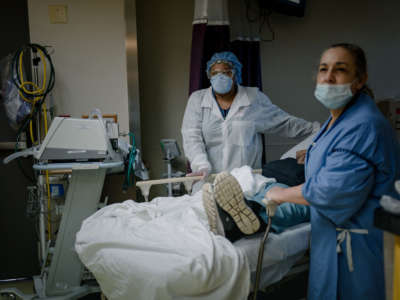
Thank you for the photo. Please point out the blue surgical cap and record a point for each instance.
(226, 57)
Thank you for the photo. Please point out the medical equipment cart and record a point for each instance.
(62, 271)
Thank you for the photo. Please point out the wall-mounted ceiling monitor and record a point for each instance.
(286, 7)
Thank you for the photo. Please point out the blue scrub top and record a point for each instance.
(348, 168)
(224, 112)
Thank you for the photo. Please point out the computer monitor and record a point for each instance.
(286, 7)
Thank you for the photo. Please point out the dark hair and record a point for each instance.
(360, 61)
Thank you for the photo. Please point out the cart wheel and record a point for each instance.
(7, 296)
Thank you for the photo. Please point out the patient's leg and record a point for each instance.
(230, 214)
(229, 196)
(226, 208)
(286, 215)
(213, 216)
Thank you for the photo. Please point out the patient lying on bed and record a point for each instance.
(164, 249)
(234, 216)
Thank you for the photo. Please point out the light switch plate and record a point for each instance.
(58, 14)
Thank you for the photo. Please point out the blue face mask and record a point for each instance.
(333, 96)
(221, 83)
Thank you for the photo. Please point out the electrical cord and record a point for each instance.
(18, 79)
(49, 222)
(36, 95)
(248, 8)
(29, 91)
(263, 17)
(260, 258)
(270, 208)
(266, 19)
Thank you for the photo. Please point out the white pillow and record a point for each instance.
(303, 144)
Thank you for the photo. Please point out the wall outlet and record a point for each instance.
(58, 14)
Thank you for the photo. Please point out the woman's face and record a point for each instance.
(337, 66)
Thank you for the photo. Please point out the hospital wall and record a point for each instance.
(289, 63)
(164, 43)
(89, 55)
(90, 60)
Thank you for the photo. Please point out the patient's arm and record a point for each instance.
(282, 195)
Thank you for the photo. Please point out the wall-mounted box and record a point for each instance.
(58, 14)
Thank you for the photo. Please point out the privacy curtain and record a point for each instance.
(213, 24)
(248, 52)
(245, 43)
(245, 39)
(210, 34)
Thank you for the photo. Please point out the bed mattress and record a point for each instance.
(281, 252)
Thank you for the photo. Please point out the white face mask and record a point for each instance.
(221, 83)
(333, 96)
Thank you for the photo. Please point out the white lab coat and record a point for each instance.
(218, 145)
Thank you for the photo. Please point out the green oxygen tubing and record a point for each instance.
(130, 167)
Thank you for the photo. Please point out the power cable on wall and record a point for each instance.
(262, 16)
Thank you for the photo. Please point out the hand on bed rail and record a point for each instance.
(270, 206)
(202, 172)
(187, 182)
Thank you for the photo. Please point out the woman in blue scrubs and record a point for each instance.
(352, 162)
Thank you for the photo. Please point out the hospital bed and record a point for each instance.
(282, 251)
(163, 249)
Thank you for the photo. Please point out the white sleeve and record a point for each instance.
(276, 121)
(192, 135)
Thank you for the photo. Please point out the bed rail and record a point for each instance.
(146, 185)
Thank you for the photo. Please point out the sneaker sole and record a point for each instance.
(229, 196)
(210, 207)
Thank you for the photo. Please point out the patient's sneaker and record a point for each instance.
(211, 208)
(229, 196)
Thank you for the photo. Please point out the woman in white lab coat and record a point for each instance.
(222, 125)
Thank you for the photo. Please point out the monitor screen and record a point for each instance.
(286, 7)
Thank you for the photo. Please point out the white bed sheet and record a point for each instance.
(163, 249)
